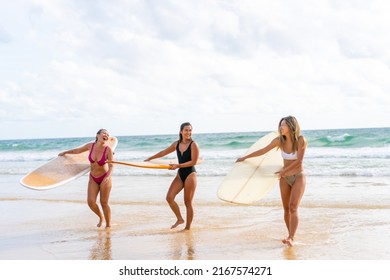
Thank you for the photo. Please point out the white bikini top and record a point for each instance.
(291, 156)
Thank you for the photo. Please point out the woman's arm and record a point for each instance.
(78, 150)
(274, 143)
(165, 152)
(110, 158)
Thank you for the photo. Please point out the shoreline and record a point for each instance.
(58, 225)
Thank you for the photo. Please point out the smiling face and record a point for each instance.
(289, 130)
(186, 132)
(284, 128)
(289, 126)
(102, 135)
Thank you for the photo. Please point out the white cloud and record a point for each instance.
(143, 67)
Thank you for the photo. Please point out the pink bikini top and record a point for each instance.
(102, 161)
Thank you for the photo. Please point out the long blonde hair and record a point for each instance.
(295, 132)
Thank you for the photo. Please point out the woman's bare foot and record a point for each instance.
(178, 222)
(289, 242)
(100, 222)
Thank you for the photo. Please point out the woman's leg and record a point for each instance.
(189, 192)
(93, 191)
(105, 190)
(285, 192)
(174, 189)
(297, 191)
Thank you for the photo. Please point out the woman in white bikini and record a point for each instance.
(292, 180)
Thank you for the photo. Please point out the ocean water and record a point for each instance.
(333, 153)
(344, 213)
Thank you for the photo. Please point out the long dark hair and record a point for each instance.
(181, 129)
(99, 131)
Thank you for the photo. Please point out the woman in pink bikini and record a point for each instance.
(292, 180)
(100, 174)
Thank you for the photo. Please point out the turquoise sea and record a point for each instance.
(343, 152)
(344, 213)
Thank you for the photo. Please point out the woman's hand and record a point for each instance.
(106, 179)
(280, 173)
(240, 159)
(174, 166)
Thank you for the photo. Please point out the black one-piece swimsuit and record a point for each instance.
(182, 158)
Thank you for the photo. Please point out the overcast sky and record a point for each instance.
(70, 67)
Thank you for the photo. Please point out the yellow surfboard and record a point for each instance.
(144, 164)
(155, 163)
(60, 170)
(252, 179)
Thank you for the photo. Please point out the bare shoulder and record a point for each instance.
(87, 146)
(172, 146)
(175, 143)
(302, 141)
(275, 142)
(194, 143)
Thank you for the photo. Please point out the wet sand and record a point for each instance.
(337, 222)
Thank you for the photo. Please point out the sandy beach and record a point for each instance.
(58, 225)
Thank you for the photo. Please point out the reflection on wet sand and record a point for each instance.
(101, 250)
(182, 244)
(289, 253)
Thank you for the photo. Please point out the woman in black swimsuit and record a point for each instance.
(187, 153)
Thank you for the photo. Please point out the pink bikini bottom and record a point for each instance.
(99, 180)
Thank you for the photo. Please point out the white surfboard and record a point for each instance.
(252, 179)
(60, 170)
